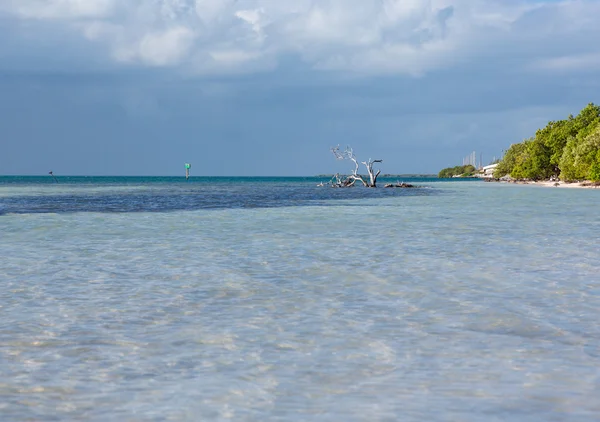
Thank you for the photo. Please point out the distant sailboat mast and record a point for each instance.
(187, 170)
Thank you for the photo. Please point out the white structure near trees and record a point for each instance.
(487, 172)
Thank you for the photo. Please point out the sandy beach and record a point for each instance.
(586, 184)
(561, 184)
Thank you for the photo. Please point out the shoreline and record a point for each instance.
(586, 184)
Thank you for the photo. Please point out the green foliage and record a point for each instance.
(510, 160)
(557, 134)
(594, 173)
(464, 171)
(566, 147)
(533, 162)
(581, 157)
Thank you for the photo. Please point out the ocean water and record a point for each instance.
(153, 299)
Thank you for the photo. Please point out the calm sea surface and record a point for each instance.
(151, 299)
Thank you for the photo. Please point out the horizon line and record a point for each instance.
(197, 176)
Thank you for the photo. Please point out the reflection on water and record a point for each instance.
(470, 302)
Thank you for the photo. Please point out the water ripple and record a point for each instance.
(403, 307)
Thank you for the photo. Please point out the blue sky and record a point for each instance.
(263, 87)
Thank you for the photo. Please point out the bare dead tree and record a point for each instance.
(339, 181)
(348, 154)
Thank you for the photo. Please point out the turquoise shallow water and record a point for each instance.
(274, 299)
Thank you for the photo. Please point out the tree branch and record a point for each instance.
(348, 154)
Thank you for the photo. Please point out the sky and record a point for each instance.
(266, 88)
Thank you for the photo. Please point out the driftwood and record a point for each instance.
(399, 185)
(348, 181)
(339, 181)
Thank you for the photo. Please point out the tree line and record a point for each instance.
(567, 149)
(463, 171)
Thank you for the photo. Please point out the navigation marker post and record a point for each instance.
(187, 170)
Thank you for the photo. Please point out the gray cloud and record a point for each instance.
(365, 36)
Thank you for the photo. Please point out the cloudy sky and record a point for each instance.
(265, 87)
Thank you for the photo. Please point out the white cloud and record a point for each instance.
(159, 48)
(366, 36)
(252, 17)
(590, 62)
(60, 9)
(211, 11)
